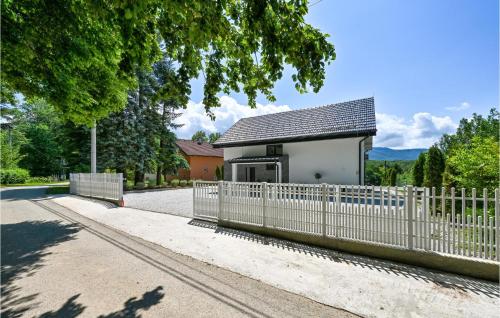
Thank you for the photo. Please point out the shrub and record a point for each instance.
(140, 185)
(174, 183)
(11, 176)
(183, 183)
(190, 183)
(41, 180)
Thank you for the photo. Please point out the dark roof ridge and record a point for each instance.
(310, 108)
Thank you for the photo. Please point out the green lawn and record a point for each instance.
(58, 190)
(32, 184)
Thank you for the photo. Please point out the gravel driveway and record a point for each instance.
(178, 202)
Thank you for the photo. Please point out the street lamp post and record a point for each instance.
(93, 156)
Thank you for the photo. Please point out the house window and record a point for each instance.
(270, 166)
(274, 150)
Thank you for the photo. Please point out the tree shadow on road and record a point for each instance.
(24, 246)
(71, 308)
(133, 305)
(462, 284)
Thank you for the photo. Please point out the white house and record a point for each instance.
(322, 144)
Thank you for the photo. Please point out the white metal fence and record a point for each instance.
(107, 186)
(413, 218)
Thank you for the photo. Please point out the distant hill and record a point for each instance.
(383, 153)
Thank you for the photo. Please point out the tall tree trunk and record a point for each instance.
(138, 177)
(162, 144)
(158, 173)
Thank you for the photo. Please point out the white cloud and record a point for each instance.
(462, 106)
(194, 117)
(421, 131)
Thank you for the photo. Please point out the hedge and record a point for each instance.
(12, 176)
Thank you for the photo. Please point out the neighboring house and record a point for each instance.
(203, 159)
(299, 146)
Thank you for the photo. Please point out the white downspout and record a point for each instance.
(234, 172)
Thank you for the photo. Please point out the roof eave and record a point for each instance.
(371, 132)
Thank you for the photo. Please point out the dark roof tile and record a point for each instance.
(193, 148)
(353, 118)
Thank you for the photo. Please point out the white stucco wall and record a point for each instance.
(336, 159)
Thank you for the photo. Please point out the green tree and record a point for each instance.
(9, 152)
(476, 165)
(477, 126)
(213, 137)
(168, 156)
(418, 170)
(82, 56)
(449, 176)
(128, 139)
(433, 168)
(390, 176)
(200, 135)
(41, 152)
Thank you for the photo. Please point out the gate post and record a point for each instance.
(409, 209)
(220, 186)
(323, 208)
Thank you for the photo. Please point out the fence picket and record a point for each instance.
(388, 215)
(474, 222)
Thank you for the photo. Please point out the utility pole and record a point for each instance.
(93, 156)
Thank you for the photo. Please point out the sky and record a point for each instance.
(428, 63)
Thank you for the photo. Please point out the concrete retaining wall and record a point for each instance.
(482, 269)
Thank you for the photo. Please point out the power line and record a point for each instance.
(315, 3)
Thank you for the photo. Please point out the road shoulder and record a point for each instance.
(365, 286)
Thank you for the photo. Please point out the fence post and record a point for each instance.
(220, 186)
(120, 189)
(79, 184)
(264, 203)
(323, 208)
(338, 211)
(409, 209)
(497, 224)
(194, 198)
(91, 185)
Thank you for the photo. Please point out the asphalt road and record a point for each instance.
(57, 263)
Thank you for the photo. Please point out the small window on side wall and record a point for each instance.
(274, 150)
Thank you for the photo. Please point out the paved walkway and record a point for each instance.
(361, 285)
(57, 263)
(178, 201)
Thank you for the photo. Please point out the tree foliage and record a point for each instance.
(139, 138)
(472, 153)
(418, 170)
(213, 137)
(477, 126)
(83, 56)
(433, 168)
(379, 172)
(476, 165)
(200, 136)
